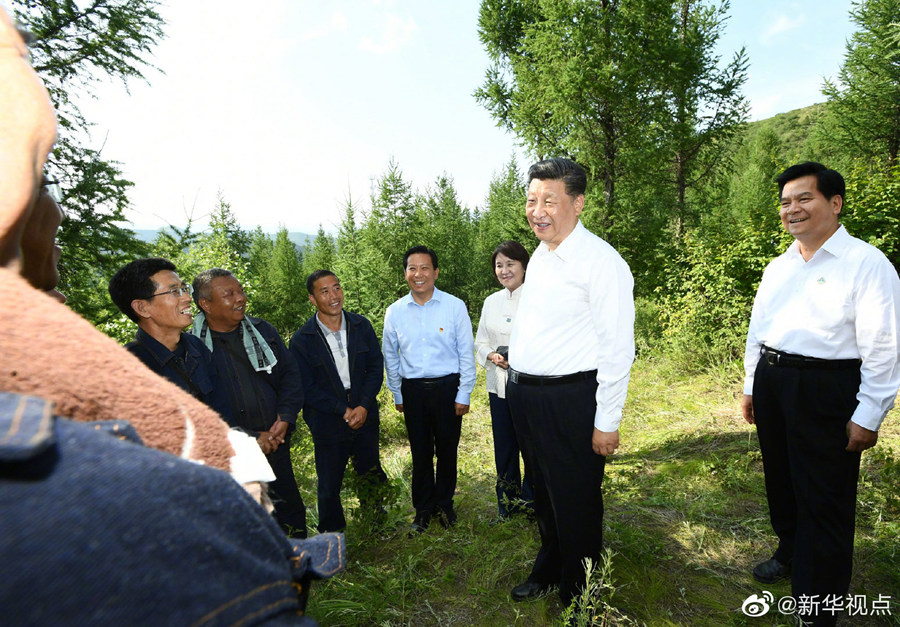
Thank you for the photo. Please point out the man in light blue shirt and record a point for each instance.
(429, 356)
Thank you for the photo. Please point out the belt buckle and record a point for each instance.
(513, 375)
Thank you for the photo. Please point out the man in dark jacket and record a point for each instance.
(342, 370)
(264, 390)
(155, 298)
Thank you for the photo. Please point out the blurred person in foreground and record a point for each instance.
(98, 528)
(262, 383)
(342, 370)
(570, 356)
(40, 252)
(821, 373)
(509, 261)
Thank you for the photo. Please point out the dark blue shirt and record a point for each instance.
(190, 367)
(326, 400)
(257, 399)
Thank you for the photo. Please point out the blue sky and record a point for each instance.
(292, 106)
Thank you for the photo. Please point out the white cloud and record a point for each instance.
(339, 21)
(395, 33)
(782, 24)
(337, 24)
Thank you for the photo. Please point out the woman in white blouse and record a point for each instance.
(491, 350)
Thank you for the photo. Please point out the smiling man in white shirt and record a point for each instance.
(822, 371)
(570, 356)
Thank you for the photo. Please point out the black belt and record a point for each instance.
(432, 382)
(530, 379)
(788, 360)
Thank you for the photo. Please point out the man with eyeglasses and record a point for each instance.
(150, 293)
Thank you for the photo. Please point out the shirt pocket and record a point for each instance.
(826, 303)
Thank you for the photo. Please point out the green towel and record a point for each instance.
(258, 352)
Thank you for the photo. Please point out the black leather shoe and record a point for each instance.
(420, 524)
(771, 571)
(447, 518)
(529, 590)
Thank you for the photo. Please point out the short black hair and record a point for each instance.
(203, 283)
(133, 282)
(513, 250)
(415, 250)
(829, 182)
(315, 276)
(558, 168)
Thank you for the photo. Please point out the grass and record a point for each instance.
(686, 520)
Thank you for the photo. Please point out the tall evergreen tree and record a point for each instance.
(348, 260)
(320, 254)
(450, 233)
(286, 287)
(864, 104)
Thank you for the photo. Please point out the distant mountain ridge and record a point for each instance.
(149, 235)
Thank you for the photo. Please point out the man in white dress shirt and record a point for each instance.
(821, 373)
(570, 355)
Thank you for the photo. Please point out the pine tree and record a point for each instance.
(864, 104)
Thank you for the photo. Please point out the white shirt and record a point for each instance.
(576, 313)
(337, 342)
(844, 303)
(494, 329)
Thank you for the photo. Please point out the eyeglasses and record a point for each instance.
(176, 291)
(53, 189)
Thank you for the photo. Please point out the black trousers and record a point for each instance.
(514, 493)
(332, 455)
(290, 512)
(555, 424)
(801, 417)
(429, 410)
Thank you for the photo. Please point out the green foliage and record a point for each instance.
(703, 104)
(448, 230)
(349, 255)
(594, 605)
(225, 245)
(503, 219)
(285, 295)
(863, 114)
(320, 255)
(872, 207)
(686, 519)
(709, 290)
(94, 245)
(577, 78)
